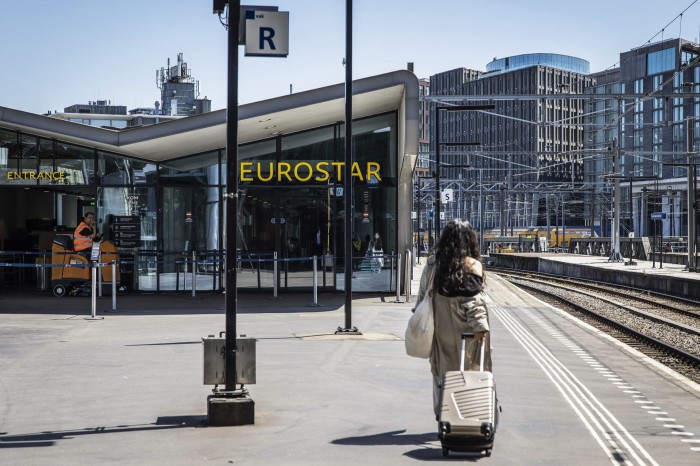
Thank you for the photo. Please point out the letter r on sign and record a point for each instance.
(266, 35)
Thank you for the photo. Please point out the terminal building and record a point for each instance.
(171, 176)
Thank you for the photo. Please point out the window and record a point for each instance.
(663, 60)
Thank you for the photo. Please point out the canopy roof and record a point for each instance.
(259, 120)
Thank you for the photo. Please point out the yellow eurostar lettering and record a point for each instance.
(284, 172)
(356, 172)
(296, 171)
(339, 169)
(272, 172)
(371, 172)
(326, 175)
(301, 172)
(245, 171)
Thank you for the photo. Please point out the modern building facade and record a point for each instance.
(523, 150)
(171, 177)
(650, 123)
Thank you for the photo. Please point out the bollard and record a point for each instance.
(315, 281)
(391, 272)
(114, 286)
(184, 274)
(194, 274)
(94, 294)
(274, 275)
(99, 277)
(398, 277)
(409, 273)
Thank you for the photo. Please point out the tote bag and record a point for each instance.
(421, 326)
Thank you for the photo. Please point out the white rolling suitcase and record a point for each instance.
(468, 408)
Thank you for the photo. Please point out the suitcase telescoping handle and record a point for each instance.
(465, 336)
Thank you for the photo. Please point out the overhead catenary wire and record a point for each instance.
(661, 31)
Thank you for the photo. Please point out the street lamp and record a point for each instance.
(630, 179)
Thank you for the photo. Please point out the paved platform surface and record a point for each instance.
(637, 266)
(128, 389)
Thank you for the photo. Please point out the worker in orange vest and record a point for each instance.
(85, 233)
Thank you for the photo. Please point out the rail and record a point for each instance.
(202, 271)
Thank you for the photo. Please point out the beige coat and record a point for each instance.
(453, 316)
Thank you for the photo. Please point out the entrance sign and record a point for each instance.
(266, 33)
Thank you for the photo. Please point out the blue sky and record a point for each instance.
(57, 53)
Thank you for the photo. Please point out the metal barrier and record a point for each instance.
(153, 270)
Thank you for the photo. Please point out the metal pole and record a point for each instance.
(437, 172)
(407, 276)
(234, 14)
(546, 203)
(653, 244)
(661, 248)
(315, 280)
(347, 172)
(695, 214)
(563, 223)
(691, 196)
(419, 238)
(398, 277)
(94, 286)
(194, 273)
(99, 278)
(114, 286)
(274, 275)
(391, 270)
(615, 233)
(481, 210)
(630, 230)
(94, 294)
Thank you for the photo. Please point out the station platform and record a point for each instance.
(128, 389)
(667, 278)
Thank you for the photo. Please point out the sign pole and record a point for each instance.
(231, 407)
(347, 174)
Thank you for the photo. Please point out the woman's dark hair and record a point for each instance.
(457, 242)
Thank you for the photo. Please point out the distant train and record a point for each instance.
(555, 238)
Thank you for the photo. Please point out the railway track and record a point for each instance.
(663, 331)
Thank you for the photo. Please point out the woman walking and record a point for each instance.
(458, 302)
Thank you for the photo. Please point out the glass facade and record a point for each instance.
(552, 60)
(662, 60)
(290, 203)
